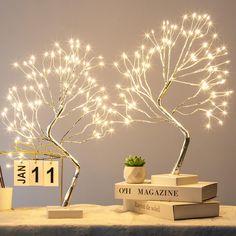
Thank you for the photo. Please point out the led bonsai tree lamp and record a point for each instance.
(188, 55)
(60, 104)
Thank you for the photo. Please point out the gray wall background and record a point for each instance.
(30, 26)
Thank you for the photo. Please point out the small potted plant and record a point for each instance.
(134, 171)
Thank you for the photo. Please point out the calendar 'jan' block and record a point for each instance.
(21, 173)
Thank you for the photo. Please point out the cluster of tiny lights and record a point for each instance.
(62, 82)
(190, 56)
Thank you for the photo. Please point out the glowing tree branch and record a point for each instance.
(60, 103)
(188, 55)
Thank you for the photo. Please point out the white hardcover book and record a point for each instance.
(176, 210)
(198, 192)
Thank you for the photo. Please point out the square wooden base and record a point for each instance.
(174, 180)
(58, 212)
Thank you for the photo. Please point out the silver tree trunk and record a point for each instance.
(180, 160)
(67, 155)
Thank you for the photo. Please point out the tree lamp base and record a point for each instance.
(58, 212)
(174, 180)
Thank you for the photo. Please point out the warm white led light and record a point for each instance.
(187, 54)
(59, 88)
(190, 55)
(63, 85)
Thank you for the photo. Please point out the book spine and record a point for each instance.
(164, 193)
(157, 210)
(176, 212)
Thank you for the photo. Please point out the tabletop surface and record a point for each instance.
(96, 215)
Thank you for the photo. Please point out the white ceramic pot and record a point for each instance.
(6, 198)
(134, 174)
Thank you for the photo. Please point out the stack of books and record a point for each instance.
(173, 200)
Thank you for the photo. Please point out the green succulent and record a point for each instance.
(134, 161)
